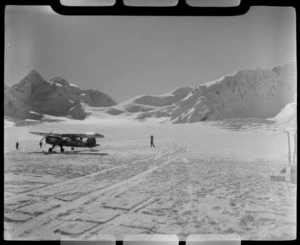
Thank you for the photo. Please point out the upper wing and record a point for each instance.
(46, 134)
(86, 135)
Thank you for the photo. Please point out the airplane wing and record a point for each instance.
(46, 134)
(86, 135)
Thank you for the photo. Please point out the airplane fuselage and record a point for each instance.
(70, 142)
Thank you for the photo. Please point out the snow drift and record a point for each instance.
(288, 115)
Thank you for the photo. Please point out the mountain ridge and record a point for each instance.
(55, 97)
(260, 93)
(247, 93)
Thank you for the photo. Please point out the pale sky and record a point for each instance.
(127, 56)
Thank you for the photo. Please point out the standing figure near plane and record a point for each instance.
(151, 141)
(41, 144)
(17, 145)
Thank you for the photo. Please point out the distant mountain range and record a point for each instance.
(33, 96)
(261, 93)
(248, 93)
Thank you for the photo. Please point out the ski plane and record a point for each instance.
(69, 140)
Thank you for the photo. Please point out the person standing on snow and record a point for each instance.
(151, 141)
(17, 145)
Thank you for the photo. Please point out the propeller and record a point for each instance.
(45, 136)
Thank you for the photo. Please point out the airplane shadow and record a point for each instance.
(94, 153)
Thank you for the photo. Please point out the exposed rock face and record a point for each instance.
(76, 111)
(96, 98)
(14, 106)
(34, 96)
(29, 84)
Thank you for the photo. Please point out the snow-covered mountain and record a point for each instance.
(34, 96)
(259, 93)
(287, 117)
(247, 93)
(149, 105)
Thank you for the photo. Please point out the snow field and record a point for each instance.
(199, 179)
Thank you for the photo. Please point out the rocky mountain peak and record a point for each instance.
(33, 77)
(61, 81)
(55, 97)
(29, 83)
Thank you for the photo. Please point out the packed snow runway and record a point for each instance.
(199, 179)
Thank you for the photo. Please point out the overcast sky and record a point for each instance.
(127, 56)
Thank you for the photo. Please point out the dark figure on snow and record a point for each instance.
(17, 145)
(41, 144)
(151, 141)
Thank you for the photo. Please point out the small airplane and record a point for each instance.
(69, 140)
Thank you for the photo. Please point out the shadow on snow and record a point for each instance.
(85, 152)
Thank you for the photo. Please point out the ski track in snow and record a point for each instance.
(180, 187)
(35, 223)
